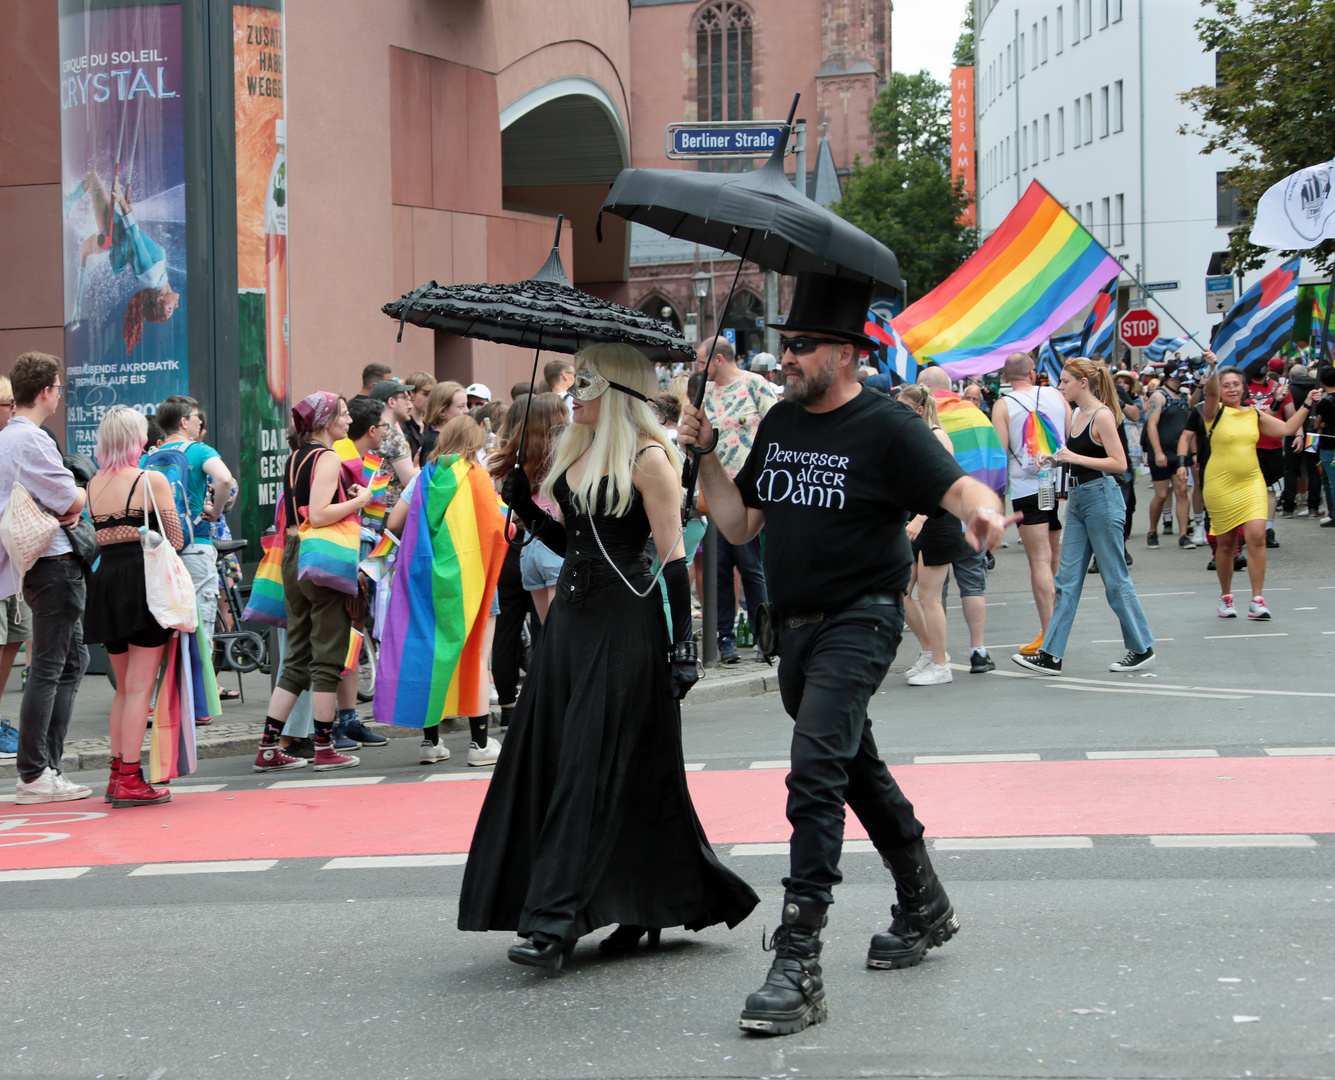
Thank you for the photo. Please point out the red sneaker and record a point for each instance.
(327, 759)
(275, 759)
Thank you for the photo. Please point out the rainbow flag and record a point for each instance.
(354, 655)
(978, 448)
(378, 482)
(1034, 273)
(384, 546)
(450, 556)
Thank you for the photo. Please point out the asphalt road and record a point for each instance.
(1164, 914)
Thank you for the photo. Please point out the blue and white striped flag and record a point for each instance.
(1101, 325)
(1260, 323)
(1155, 353)
(1067, 345)
(1049, 363)
(893, 356)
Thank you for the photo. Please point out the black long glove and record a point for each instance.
(685, 673)
(518, 495)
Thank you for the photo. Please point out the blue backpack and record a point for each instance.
(172, 463)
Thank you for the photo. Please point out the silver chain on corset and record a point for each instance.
(653, 583)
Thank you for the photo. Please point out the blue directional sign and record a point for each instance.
(722, 140)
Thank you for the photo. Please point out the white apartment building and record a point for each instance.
(1058, 99)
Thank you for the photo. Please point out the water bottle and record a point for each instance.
(1047, 489)
(149, 538)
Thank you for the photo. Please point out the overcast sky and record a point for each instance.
(923, 35)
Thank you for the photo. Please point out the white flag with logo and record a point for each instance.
(1298, 212)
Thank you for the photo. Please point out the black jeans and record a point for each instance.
(507, 644)
(1296, 463)
(746, 558)
(828, 672)
(1126, 483)
(55, 590)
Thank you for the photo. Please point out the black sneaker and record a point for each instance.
(980, 662)
(1270, 540)
(1093, 566)
(1127, 552)
(1167, 526)
(1211, 564)
(302, 748)
(360, 734)
(1239, 562)
(1184, 541)
(1152, 540)
(1040, 662)
(727, 651)
(1133, 661)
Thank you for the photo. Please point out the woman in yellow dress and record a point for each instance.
(1235, 492)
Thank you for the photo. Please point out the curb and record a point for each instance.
(89, 757)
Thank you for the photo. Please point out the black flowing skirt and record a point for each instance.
(588, 820)
(117, 606)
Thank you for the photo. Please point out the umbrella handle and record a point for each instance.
(701, 451)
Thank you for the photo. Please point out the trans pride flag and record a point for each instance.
(1036, 271)
(449, 560)
(978, 448)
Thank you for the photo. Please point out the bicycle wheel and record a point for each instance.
(366, 670)
(245, 651)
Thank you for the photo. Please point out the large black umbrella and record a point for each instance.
(757, 215)
(542, 312)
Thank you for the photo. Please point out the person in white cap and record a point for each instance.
(478, 394)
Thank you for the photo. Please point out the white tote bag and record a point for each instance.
(171, 592)
(25, 528)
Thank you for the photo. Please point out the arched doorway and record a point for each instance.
(659, 308)
(746, 315)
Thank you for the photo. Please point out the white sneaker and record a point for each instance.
(1198, 536)
(1226, 609)
(484, 755)
(1257, 609)
(933, 675)
(430, 753)
(49, 787)
(492, 696)
(924, 658)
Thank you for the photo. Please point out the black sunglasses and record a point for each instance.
(802, 345)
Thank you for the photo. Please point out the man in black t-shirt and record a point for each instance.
(834, 474)
(1168, 412)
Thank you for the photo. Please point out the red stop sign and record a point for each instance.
(1138, 327)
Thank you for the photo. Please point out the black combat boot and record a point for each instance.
(793, 996)
(922, 918)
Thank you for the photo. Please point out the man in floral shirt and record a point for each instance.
(734, 402)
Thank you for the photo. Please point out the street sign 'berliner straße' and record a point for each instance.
(722, 139)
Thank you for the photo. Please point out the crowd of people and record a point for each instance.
(844, 505)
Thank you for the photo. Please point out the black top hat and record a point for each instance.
(831, 306)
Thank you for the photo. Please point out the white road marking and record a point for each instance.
(1010, 843)
(1147, 595)
(1147, 755)
(50, 873)
(388, 862)
(1166, 686)
(229, 866)
(695, 766)
(1062, 684)
(1300, 751)
(760, 849)
(457, 776)
(1235, 840)
(1228, 637)
(770, 765)
(1118, 641)
(951, 759)
(332, 781)
(194, 789)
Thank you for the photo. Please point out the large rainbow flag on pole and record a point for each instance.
(449, 560)
(978, 448)
(1034, 273)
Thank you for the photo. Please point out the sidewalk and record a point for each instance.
(87, 745)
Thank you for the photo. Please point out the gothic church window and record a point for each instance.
(723, 62)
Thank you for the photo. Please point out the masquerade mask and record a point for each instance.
(591, 385)
(801, 345)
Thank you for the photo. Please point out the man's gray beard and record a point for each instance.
(809, 389)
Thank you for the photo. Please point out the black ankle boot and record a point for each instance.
(923, 917)
(626, 939)
(542, 950)
(793, 996)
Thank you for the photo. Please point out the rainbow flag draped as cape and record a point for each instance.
(978, 449)
(1036, 271)
(449, 560)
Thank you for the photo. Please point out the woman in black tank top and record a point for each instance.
(1095, 515)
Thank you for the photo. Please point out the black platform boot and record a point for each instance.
(793, 996)
(923, 917)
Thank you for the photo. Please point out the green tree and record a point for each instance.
(964, 43)
(1273, 102)
(904, 196)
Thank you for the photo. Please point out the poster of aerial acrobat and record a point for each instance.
(123, 199)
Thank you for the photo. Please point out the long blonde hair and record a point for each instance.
(1100, 382)
(923, 398)
(623, 423)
